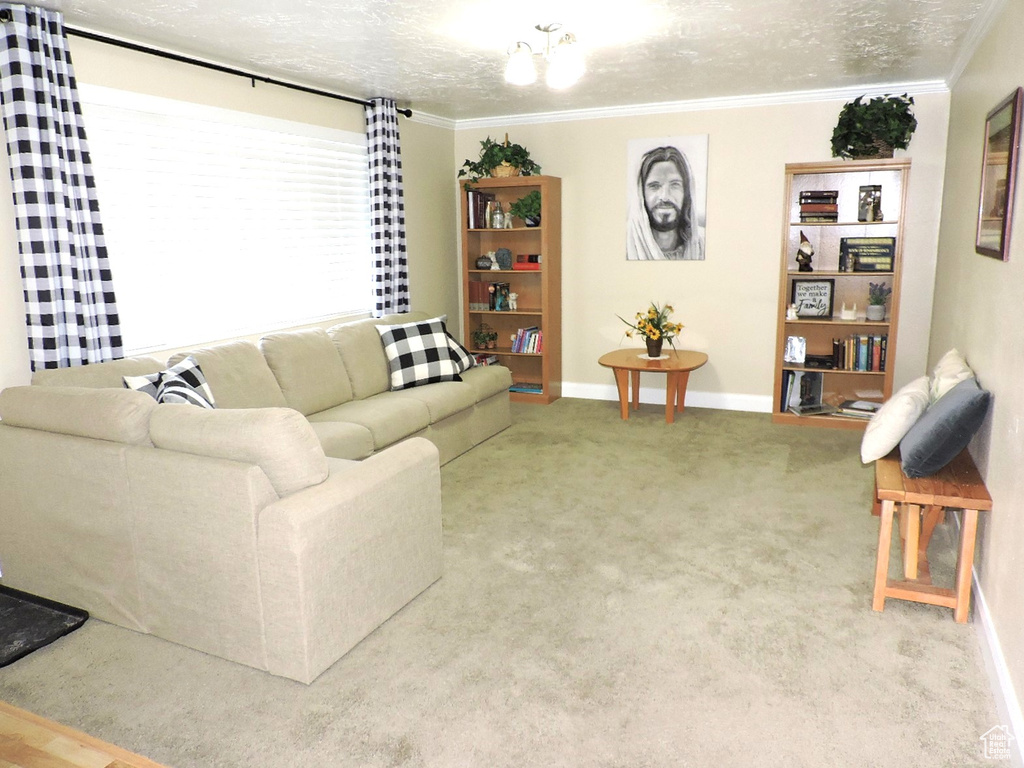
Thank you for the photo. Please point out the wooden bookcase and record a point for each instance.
(539, 291)
(849, 287)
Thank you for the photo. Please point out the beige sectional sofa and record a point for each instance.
(276, 530)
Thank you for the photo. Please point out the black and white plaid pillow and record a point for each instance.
(418, 353)
(182, 383)
(463, 359)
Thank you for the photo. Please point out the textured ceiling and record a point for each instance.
(446, 58)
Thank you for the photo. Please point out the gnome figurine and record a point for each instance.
(804, 254)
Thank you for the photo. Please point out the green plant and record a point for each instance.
(654, 324)
(878, 293)
(874, 128)
(493, 154)
(527, 206)
(483, 336)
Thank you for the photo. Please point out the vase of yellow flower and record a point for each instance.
(654, 327)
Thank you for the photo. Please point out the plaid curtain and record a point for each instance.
(71, 313)
(387, 209)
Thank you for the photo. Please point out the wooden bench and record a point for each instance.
(921, 504)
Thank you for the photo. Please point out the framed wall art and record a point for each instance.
(813, 298)
(998, 173)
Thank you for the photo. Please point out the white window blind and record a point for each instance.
(221, 223)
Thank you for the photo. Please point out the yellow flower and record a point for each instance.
(653, 333)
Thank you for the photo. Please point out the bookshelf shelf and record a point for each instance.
(834, 189)
(536, 375)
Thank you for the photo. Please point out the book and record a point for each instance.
(526, 386)
(859, 408)
(819, 196)
(819, 208)
(526, 266)
(867, 254)
(815, 409)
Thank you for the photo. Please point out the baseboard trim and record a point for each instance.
(656, 396)
(1007, 703)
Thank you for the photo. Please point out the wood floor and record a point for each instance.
(30, 741)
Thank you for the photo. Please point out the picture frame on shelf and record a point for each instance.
(998, 175)
(796, 350)
(813, 298)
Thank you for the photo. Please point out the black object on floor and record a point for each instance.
(27, 623)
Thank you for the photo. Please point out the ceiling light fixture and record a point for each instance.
(564, 58)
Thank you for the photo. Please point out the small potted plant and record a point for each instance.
(654, 327)
(499, 160)
(878, 294)
(527, 208)
(484, 337)
(874, 128)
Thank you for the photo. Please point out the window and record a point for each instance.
(222, 223)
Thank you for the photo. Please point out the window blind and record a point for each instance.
(221, 223)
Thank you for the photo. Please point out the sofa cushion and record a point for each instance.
(343, 439)
(118, 415)
(951, 369)
(893, 420)
(279, 440)
(363, 354)
(108, 374)
(388, 418)
(181, 383)
(418, 353)
(308, 369)
(944, 430)
(443, 399)
(238, 375)
(487, 380)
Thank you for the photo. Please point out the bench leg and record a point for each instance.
(964, 564)
(882, 561)
(910, 528)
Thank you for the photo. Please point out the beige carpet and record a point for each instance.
(615, 594)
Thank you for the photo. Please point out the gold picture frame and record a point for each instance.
(998, 175)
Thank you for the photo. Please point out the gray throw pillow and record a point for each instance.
(944, 429)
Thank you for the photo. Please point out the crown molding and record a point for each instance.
(434, 120)
(980, 28)
(700, 105)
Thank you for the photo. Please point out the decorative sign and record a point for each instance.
(813, 298)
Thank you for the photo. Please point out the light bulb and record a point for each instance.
(565, 64)
(520, 70)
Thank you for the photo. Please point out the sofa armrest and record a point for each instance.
(338, 559)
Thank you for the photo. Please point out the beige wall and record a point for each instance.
(427, 157)
(978, 310)
(728, 302)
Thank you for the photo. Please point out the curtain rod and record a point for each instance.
(217, 67)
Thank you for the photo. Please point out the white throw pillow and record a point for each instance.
(894, 419)
(951, 369)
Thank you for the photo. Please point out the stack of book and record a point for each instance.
(486, 359)
(860, 352)
(528, 261)
(531, 387)
(859, 409)
(819, 205)
(529, 340)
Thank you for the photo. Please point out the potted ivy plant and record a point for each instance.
(484, 337)
(499, 159)
(874, 128)
(527, 208)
